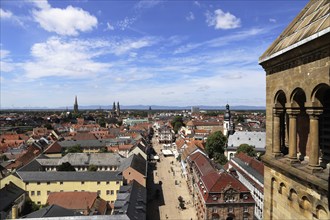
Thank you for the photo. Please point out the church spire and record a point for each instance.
(118, 109)
(114, 107)
(227, 123)
(75, 106)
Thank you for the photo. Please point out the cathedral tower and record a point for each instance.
(297, 159)
(114, 108)
(118, 109)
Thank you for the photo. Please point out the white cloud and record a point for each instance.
(221, 41)
(8, 15)
(6, 63)
(222, 20)
(42, 4)
(147, 4)
(190, 16)
(197, 3)
(4, 54)
(272, 20)
(109, 27)
(126, 23)
(75, 58)
(128, 45)
(69, 21)
(57, 57)
(5, 14)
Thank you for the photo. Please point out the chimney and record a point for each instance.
(14, 212)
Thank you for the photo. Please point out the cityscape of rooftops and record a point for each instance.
(165, 109)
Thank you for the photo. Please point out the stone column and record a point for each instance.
(314, 138)
(276, 132)
(293, 134)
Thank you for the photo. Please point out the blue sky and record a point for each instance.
(176, 53)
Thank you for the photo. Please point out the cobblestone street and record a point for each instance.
(172, 185)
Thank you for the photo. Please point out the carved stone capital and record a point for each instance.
(277, 112)
(314, 113)
(293, 112)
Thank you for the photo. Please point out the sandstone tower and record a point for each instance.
(297, 157)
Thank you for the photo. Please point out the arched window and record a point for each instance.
(321, 213)
(320, 98)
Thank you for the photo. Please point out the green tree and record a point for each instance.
(66, 167)
(177, 123)
(215, 145)
(104, 150)
(248, 149)
(74, 149)
(221, 159)
(29, 207)
(240, 119)
(102, 122)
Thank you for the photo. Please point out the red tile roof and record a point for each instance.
(73, 200)
(54, 148)
(84, 136)
(200, 144)
(25, 158)
(203, 165)
(252, 162)
(179, 143)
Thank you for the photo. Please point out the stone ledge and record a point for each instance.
(297, 172)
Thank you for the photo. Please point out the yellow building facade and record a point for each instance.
(38, 191)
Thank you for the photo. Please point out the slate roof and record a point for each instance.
(83, 143)
(8, 194)
(98, 159)
(35, 176)
(250, 165)
(134, 205)
(92, 143)
(52, 211)
(312, 22)
(256, 139)
(34, 165)
(137, 162)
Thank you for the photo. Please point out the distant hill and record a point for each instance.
(143, 107)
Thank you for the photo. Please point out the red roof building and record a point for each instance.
(216, 193)
(250, 172)
(85, 202)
